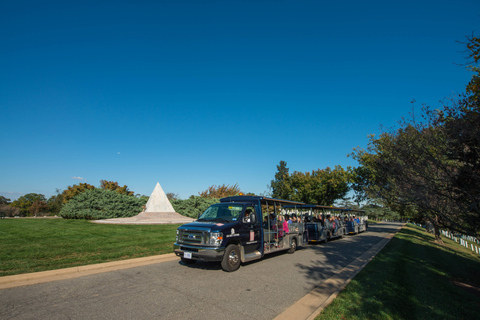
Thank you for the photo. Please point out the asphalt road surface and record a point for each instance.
(260, 289)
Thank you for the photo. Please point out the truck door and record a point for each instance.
(251, 229)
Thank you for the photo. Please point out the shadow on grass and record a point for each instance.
(411, 278)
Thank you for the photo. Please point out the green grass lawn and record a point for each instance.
(31, 245)
(413, 278)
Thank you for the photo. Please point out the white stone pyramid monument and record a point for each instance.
(158, 201)
(158, 210)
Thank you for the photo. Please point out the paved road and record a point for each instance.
(258, 290)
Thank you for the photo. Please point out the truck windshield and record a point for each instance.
(222, 213)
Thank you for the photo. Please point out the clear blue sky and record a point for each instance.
(196, 93)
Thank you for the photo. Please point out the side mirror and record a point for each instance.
(250, 218)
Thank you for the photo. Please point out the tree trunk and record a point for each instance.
(436, 228)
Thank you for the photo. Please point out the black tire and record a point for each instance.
(188, 261)
(293, 245)
(231, 259)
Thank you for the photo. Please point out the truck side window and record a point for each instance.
(249, 215)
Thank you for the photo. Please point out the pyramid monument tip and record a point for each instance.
(158, 201)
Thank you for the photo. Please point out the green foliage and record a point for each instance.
(321, 186)
(4, 200)
(193, 206)
(282, 185)
(376, 212)
(101, 204)
(429, 167)
(25, 202)
(55, 203)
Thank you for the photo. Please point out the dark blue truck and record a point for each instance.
(238, 229)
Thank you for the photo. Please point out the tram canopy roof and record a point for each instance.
(261, 199)
(317, 206)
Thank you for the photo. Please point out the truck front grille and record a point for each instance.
(192, 237)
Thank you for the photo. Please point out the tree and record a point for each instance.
(25, 202)
(430, 166)
(38, 207)
(9, 211)
(74, 190)
(281, 185)
(55, 203)
(220, 191)
(113, 185)
(172, 196)
(321, 186)
(4, 200)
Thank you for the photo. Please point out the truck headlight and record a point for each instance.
(215, 239)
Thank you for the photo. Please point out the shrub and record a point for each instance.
(193, 206)
(101, 204)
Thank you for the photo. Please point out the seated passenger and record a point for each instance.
(285, 227)
(294, 218)
(265, 222)
(287, 218)
(281, 226)
(273, 221)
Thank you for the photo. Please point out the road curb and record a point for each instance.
(310, 306)
(80, 271)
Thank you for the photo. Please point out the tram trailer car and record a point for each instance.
(319, 228)
(232, 232)
(357, 225)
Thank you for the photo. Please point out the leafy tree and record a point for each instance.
(142, 197)
(25, 202)
(430, 167)
(113, 185)
(281, 186)
(220, 191)
(38, 207)
(193, 206)
(4, 200)
(172, 196)
(74, 190)
(101, 204)
(55, 203)
(321, 186)
(9, 211)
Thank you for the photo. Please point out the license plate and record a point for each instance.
(187, 255)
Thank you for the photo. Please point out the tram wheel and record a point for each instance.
(231, 259)
(293, 246)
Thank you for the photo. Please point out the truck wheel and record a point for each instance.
(231, 259)
(293, 245)
(188, 261)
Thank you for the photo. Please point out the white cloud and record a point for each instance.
(77, 178)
